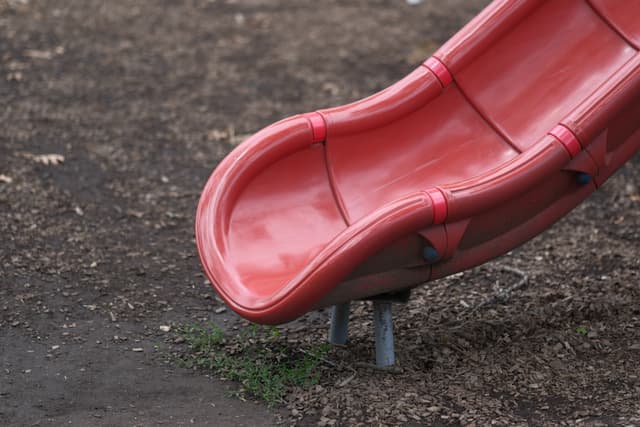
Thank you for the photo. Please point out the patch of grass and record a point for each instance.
(582, 330)
(265, 366)
(202, 338)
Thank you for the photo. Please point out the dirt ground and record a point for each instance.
(113, 116)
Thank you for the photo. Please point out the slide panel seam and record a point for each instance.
(319, 127)
(489, 122)
(568, 139)
(611, 25)
(439, 203)
(334, 189)
(440, 70)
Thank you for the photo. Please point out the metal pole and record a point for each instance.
(339, 328)
(383, 324)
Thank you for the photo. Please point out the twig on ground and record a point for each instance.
(505, 294)
(387, 369)
(322, 359)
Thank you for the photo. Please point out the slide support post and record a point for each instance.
(339, 327)
(383, 324)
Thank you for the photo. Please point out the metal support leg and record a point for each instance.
(339, 328)
(383, 324)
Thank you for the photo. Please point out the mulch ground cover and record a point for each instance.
(113, 116)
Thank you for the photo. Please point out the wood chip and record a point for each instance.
(38, 54)
(46, 159)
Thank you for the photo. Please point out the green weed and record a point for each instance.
(256, 358)
(582, 330)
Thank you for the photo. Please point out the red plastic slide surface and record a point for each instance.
(511, 124)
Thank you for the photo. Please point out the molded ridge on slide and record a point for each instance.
(511, 124)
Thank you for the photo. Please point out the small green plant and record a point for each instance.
(202, 338)
(265, 367)
(582, 330)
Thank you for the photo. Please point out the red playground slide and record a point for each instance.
(505, 129)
